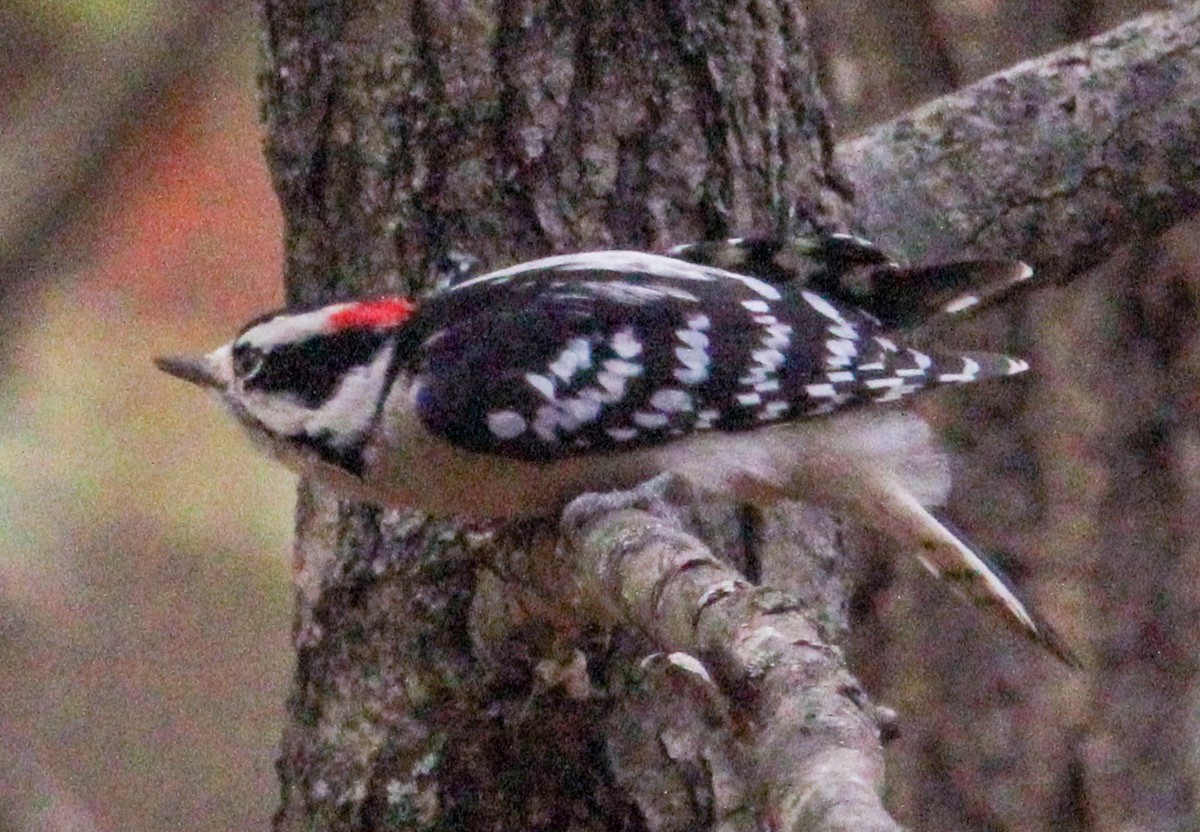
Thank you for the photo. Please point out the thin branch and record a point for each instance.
(810, 740)
(1061, 159)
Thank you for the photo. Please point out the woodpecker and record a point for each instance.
(757, 369)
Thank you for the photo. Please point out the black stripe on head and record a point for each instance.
(309, 371)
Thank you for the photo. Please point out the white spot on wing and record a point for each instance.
(577, 355)
(770, 358)
(841, 352)
(650, 421)
(620, 367)
(823, 306)
(506, 424)
(778, 336)
(960, 303)
(773, 410)
(583, 409)
(613, 384)
(923, 362)
(542, 384)
(692, 358)
(622, 434)
(841, 327)
(755, 375)
(693, 338)
(691, 375)
(899, 391)
(671, 400)
(625, 344)
(545, 425)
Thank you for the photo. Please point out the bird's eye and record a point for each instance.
(247, 362)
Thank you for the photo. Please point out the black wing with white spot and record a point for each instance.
(595, 352)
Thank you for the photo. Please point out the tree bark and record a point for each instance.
(1084, 468)
(807, 736)
(1063, 158)
(446, 679)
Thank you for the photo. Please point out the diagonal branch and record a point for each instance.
(810, 739)
(1062, 158)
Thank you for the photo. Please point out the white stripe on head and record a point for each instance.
(343, 417)
(289, 328)
(349, 411)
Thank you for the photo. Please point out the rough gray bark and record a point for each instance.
(810, 743)
(443, 680)
(1063, 158)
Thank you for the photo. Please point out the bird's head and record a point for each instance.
(305, 381)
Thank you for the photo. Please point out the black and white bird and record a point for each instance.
(757, 369)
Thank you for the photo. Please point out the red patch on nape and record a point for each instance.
(373, 314)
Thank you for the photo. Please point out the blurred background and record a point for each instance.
(144, 548)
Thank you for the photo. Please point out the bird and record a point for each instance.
(758, 369)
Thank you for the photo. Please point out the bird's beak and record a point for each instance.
(202, 370)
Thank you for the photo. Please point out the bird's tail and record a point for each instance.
(883, 469)
(969, 574)
(856, 272)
